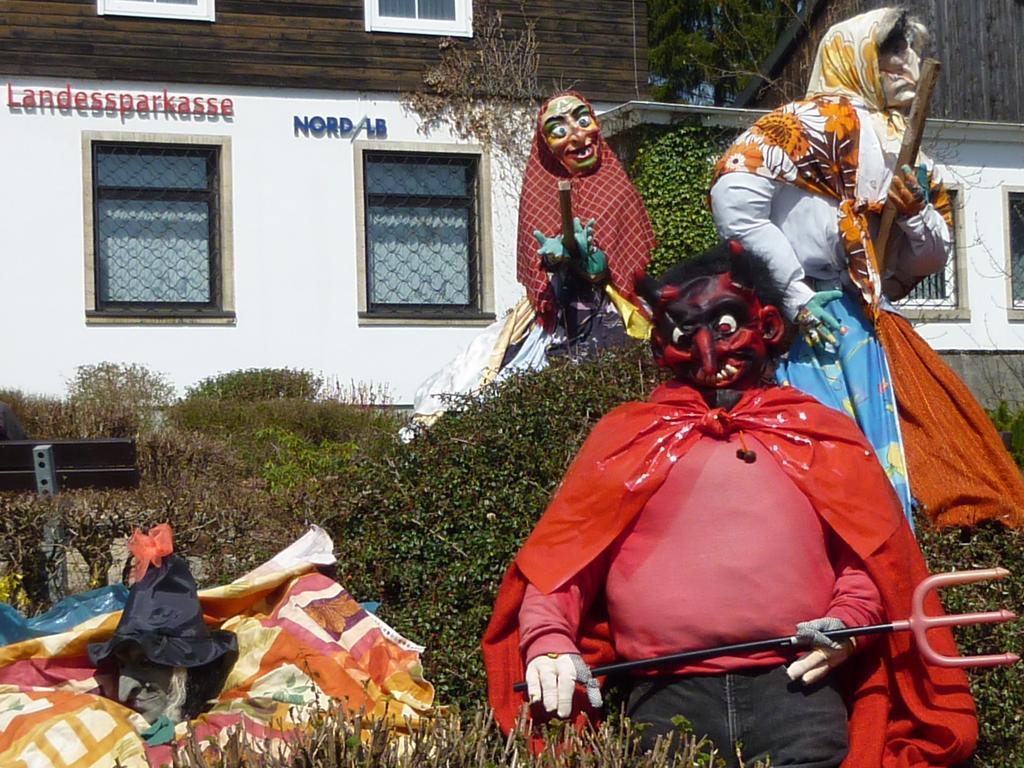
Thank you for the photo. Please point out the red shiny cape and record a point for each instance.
(905, 712)
(621, 226)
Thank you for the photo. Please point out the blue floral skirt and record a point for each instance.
(854, 378)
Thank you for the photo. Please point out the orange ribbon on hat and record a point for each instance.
(150, 548)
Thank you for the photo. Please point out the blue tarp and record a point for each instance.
(70, 611)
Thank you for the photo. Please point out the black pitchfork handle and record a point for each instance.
(775, 643)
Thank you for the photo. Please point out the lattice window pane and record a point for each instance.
(939, 290)
(1017, 247)
(418, 256)
(405, 9)
(155, 219)
(150, 171)
(421, 249)
(437, 9)
(384, 177)
(154, 252)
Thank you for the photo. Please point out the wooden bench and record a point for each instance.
(49, 466)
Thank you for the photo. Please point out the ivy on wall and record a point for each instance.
(671, 168)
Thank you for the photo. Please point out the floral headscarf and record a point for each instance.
(847, 65)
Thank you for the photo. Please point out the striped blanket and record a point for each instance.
(304, 645)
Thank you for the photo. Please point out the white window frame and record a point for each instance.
(485, 266)
(1015, 309)
(461, 26)
(226, 313)
(953, 307)
(203, 10)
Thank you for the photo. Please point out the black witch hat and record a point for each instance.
(163, 617)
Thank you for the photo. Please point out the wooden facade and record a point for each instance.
(979, 43)
(312, 44)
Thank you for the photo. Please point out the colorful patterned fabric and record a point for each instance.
(622, 229)
(854, 378)
(304, 645)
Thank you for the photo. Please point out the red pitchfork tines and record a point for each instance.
(920, 622)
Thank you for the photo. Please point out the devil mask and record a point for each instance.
(716, 322)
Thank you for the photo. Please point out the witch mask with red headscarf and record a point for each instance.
(615, 233)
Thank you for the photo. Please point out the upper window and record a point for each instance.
(423, 17)
(940, 290)
(1016, 211)
(156, 239)
(422, 255)
(201, 10)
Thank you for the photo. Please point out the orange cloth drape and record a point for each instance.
(956, 462)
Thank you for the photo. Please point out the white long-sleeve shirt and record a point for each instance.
(798, 231)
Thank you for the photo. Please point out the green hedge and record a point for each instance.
(671, 169)
(287, 440)
(103, 400)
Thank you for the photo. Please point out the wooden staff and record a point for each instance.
(908, 152)
(568, 231)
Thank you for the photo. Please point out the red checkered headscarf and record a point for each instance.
(605, 194)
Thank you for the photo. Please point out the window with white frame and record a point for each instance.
(422, 17)
(198, 10)
(156, 239)
(940, 290)
(1015, 207)
(422, 256)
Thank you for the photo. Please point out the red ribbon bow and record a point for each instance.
(150, 548)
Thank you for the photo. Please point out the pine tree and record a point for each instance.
(705, 51)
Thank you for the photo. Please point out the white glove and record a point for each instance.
(551, 679)
(827, 654)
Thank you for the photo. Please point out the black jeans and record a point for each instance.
(761, 712)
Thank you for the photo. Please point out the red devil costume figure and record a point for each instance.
(724, 510)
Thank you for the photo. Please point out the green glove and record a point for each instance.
(552, 253)
(818, 323)
(596, 260)
(160, 732)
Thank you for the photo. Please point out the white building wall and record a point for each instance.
(984, 162)
(294, 244)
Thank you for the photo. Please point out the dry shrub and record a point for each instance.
(486, 89)
(103, 400)
(255, 384)
(448, 740)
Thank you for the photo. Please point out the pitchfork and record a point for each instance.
(919, 623)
